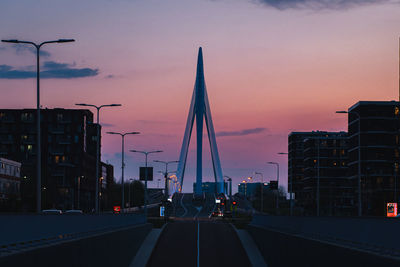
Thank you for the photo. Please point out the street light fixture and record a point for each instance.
(123, 166)
(96, 205)
(146, 153)
(39, 160)
(359, 156)
(277, 183)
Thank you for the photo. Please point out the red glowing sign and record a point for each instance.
(117, 209)
(391, 210)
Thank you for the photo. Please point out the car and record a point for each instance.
(52, 212)
(73, 212)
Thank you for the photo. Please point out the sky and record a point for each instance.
(271, 67)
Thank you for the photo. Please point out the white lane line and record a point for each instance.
(183, 206)
(198, 243)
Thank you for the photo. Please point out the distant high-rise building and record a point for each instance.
(68, 152)
(379, 137)
(318, 166)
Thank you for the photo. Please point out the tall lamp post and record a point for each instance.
(123, 166)
(230, 186)
(96, 205)
(129, 191)
(277, 183)
(146, 153)
(166, 173)
(39, 159)
(291, 183)
(359, 157)
(262, 189)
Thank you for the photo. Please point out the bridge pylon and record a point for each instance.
(200, 110)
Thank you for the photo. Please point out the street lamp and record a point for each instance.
(96, 205)
(262, 189)
(146, 153)
(123, 165)
(166, 174)
(129, 187)
(230, 186)
(39, 160)
(359, 157)
(291, 182)
(277, 183)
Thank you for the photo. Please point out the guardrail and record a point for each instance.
(22, 232)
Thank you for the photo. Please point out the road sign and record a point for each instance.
(162, 211)
(391, 210)
(142, 173)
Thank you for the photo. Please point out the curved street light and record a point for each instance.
(39, 159)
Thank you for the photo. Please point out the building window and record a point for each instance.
(59, 117)
(334, 152)
(396, 111)
(22, 147)
(56, 159)
(2, 115)
(30, 147)
(24, 137)
(334, 163)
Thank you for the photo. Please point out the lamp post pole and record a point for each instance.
(277, 182)
(39, 159)
(230, 186)
(146, 153)
(262, 190)
(166, 174)
(359, 157)
(291, 182)
(96, 205)
(129, 196)
(123, 166)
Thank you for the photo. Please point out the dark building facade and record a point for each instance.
(68, 146)
(318, 166)
(379, 123)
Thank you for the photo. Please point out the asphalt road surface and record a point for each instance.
(198, 242)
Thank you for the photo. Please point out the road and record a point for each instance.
(198, 242)
(193, 239)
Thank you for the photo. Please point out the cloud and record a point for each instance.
(22, 48)
(49, 70)
(320, 4)
(242, 132)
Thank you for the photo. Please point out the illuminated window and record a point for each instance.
(334, 152)
(30, 147)
(342, 152)
(63, 158)
(56, 159)
(396, 111)
(396, 153)
(343, 163)
(24, 137)
(334, 163)
(396, 167)
(315, 161)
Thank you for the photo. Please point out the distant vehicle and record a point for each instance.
(52, 212)
(73, 212)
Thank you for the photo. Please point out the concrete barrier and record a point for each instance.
(113, 248)
(319, 241)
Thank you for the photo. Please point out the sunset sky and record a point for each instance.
(271, 67)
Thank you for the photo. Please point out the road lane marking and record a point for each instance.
(198, 243)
